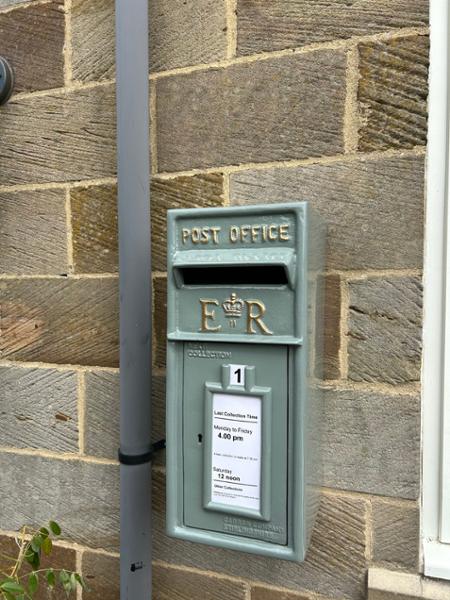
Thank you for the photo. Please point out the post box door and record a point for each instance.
(235, 439)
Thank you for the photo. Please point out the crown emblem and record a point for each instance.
(233, 306)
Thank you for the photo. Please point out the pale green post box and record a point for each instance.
(242, 405)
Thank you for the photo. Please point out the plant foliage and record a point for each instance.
(21, 577)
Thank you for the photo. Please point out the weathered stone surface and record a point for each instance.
(103, 413)
(280, 24)
(61, 558)
(33, 235)
(396, 534)
(93, 40)
(261, 593)
(83, 497)
(187, 33)
(160, 321)
(328, 338)
(32, 39)
(335, 563)
(60, 321)
(38, 409)
(371, 442)
(373, 208)
(199, 191)
(181, 34)
(393, 90)
(384, 329)
(170, 583)
(59, 137)
(94, 229)
(102, 576)
(276, 109)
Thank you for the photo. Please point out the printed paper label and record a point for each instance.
(236, 451)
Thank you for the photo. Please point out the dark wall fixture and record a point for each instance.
(6, 80)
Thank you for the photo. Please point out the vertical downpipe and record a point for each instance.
(132, 43)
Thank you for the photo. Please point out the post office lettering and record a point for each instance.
(247, 233)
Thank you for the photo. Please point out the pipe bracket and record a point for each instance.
(140, 459)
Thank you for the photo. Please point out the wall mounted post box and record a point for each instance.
(243, 314)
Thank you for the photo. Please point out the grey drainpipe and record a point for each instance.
(135, 297)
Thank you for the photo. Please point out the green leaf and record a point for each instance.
(55, 528)
(44, 532)
(12, 586)
(36, 543)
(8, 596)
(33, 583)
(64, 576)
(33, 559)
(67, 587)
(73, 581)
(47, 546)
(51, 578)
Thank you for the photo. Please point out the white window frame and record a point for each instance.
(436, 341)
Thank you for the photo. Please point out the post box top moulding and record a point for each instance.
(218, 256)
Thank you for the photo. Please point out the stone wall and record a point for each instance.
(251, 101)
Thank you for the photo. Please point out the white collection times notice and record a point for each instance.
(236, 451)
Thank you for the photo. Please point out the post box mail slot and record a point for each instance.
(243, 317)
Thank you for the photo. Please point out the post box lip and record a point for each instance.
(282, 257)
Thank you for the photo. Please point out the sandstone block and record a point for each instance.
(84, 497)
(39, 409)
(281, 24)
(33, 234)
(371, 442)
(276, 109)
(385, 330)
(392, 93)
(396, 534)
(32, 39)
(60, 321)
(59, 137)
(95, 229)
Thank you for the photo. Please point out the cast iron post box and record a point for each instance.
(243, 314)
